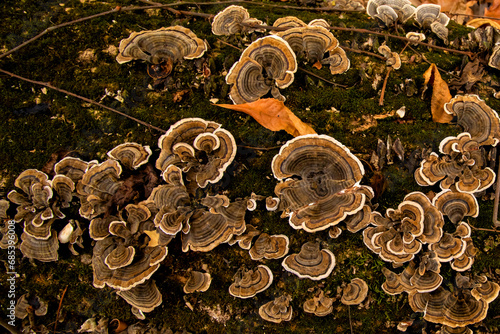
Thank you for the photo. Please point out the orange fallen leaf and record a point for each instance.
(273, 115)
(493, 10)
(440, 95)
(476, 23)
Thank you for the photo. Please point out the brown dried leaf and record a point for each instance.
(440, 95)
(273, 115)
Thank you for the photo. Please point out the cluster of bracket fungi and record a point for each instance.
(135, 207)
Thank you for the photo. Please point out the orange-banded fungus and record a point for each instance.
(355, 292)
(249, 282)
(156, 46)
(269, 247)
(277, 310)
(310, 262)
(197, 282)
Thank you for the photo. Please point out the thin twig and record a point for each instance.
(260, 148)
(228, 44)
(316, 9)
(382, 94)
(428, 62)
(365, 52)
(370, 32)
(48, 85)
(321, 78)
(116, 9)
(484, 229)
(59, 308)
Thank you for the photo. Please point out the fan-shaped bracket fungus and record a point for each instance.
(390, 11)
(234, 20)
(202, 149)
(310, 41)
(269, 247)
(319, 305)
(310, 262)
(476, 117)
(265, 65)
(197, 282)
(355, 292)
(157, 46)
(249, 282)
(328, 190)
(277, 310)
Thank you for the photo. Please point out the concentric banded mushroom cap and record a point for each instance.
(392, 58)
(272, 203)
(393, 284)
(99, 227)
(103, 177)
(249, 84)
(334, 232)
(269, 247)
(456, 309)
(456, 205)
(131, 155)
(245, 240)
(486, 290)
(277, 310)
(355, 292)
(145, 263)
(271, 55)
(304, 154)
(208, 230)
(312, 41)
(184, 133)
(310, 262)
(38, 306)
(433, 218)
(426, 14)
(38, 249)
(402, 10)
(197, 282)
(319, 23)
(120, 257)
(425, 282)
(275, 56)
(289, 22)
(73, 168)
(145, 297)
(465, 262)
(476, 117)
(440, 30)
(494, 60)
(28, 178)
(248, 283)
(155, 46)
(228, 21)
(415, 36)
(449, 247)
(320, 305)
(338, 61)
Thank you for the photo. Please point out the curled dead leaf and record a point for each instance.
(440, 94)
(273, 115)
